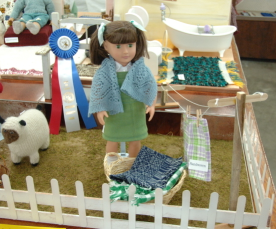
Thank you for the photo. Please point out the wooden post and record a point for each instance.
(164, 97)
(237, 151)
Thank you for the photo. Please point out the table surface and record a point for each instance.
(32, 90)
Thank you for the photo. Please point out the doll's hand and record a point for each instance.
(151, 111)
(101, 115)
(10, 21)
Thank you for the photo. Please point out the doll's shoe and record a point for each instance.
(17, 27)
(34, 29)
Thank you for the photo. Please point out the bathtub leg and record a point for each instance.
(221, 53)
(181, 52)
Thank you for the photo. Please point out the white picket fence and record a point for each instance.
(259, 174)
(185, 212)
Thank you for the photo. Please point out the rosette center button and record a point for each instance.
(64, 43)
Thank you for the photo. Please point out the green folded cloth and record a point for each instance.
(119, 191)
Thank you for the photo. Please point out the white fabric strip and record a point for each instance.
(69, 103)
(224, 72)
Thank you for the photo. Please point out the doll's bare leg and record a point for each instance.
(111, 147)
(34, 27)
(18, 26)
(134, 148)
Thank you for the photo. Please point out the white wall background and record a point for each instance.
(257, 5)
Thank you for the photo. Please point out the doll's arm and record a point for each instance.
(101, 115)
(50, 8)
(18, 7)
(151, 109)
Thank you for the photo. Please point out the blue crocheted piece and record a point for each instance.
(200, 71)
(150, 169)
(105, 94)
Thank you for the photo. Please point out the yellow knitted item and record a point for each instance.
(234, 73)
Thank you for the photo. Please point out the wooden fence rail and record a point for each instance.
(185, 212)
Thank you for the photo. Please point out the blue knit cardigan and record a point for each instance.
(105, 94)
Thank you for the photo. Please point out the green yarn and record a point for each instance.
(200, 71)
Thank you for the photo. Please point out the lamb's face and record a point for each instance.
(10, 136)
(12, 129)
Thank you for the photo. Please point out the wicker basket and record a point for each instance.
(3, 170)
(123, 164)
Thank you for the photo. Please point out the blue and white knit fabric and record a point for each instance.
(150, 169)
(105, 94)
(32, 7)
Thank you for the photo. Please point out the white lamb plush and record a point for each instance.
(26, 134)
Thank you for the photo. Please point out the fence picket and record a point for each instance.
(239, 212)
(9, 196)
(32, 198)
(267, 187)
(272, 203)
(213, 204)
(57, 201)
(106, 207)
(263, 175)
(185, 211)
(132, 208)
(264, 213)
(260, 161)
(158, 208)
(81, 203)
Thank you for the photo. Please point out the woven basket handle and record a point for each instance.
(112, 154)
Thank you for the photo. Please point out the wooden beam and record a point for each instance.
(232, 100)
(237, 151)
(166, 106)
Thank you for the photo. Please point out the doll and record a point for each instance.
(36, 15)
(123, 88)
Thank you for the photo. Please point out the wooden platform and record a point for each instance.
(26, 94)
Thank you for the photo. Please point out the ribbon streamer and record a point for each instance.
(67, 88)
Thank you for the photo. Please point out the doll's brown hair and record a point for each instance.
(118, 32)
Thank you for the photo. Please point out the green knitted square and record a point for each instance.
(200, 71)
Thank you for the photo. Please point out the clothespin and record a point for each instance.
(188, 111)
(198, 116)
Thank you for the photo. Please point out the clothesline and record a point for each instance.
(225, 101)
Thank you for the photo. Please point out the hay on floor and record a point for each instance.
(80, 155)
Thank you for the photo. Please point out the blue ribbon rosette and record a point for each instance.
(67, 89)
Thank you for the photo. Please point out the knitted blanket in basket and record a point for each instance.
(119, 191)
(150, 169)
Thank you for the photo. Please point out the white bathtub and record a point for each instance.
(186, 37)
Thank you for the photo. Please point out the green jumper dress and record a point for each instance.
(129, 125)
